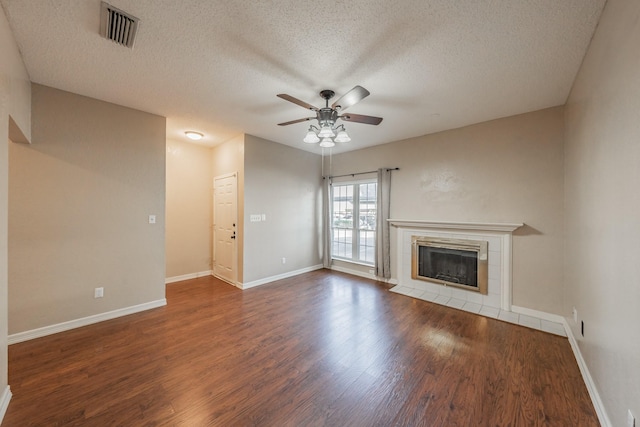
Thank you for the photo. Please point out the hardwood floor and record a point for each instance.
(320, 349)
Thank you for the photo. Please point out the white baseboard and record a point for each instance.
(391, 281)
(4, 402)
(72, 324)
(255, 283)
(586, 376)
(187, 276)
(539, 314)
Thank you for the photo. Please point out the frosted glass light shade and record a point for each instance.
(326, 132)
(342, 137)
(327, 143)
(311, 138)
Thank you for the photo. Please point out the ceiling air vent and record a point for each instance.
(117, 25)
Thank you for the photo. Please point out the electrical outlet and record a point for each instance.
(284, 260)
(152, 219)
(98, 292)
(575, 315)
(631, 420)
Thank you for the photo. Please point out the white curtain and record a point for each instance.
(327, 236)
(383, 256)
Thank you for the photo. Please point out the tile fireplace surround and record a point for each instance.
(497, 302)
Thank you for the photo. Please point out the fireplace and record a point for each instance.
(450, 262)
(499, 245)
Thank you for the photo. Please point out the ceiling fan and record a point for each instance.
(328, 133)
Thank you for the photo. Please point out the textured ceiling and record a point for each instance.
(216, 66)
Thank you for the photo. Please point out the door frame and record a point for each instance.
(234, 254)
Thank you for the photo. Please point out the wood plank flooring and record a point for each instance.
(319, 349)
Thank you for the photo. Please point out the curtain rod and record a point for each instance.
(361, 173)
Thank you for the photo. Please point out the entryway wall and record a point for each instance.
(188, 210)
(282, 184)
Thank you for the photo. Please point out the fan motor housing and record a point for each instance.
(327, 116)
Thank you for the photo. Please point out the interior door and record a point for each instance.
(225, 219)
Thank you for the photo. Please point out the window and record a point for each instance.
(354, 221)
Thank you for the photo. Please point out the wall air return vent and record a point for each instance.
(118, 26)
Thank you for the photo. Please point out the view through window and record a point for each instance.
(354, 221)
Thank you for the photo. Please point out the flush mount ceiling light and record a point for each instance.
(196, 136)
(327, 133)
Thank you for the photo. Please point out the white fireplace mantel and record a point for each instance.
(448, 225)
(496, 232)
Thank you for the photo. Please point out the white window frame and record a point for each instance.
(355, 229)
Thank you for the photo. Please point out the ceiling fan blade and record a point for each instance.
(359, 118)
(297, 101)
(350, 98)
(296, 121)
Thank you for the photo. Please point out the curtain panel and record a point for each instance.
(383, 245)
(327, 216)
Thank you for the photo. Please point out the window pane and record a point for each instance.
(342, 243)
(367, 246)
(367, 206)
(354, 221)
(343, 206)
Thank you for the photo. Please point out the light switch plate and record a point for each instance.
(152, 219)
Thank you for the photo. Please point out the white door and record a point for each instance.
(225, 219)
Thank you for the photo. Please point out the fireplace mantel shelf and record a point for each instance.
(484, 226)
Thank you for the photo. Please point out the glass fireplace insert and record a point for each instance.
(450, 262)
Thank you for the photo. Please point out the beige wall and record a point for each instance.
(507, 170)
(15, 101)
(189, 208)
(80, 196)
(228, 158)
(283, 183)
(603, 208)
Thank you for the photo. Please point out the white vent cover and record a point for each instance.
(118, 26)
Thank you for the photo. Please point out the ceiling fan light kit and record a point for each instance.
(327, 133)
